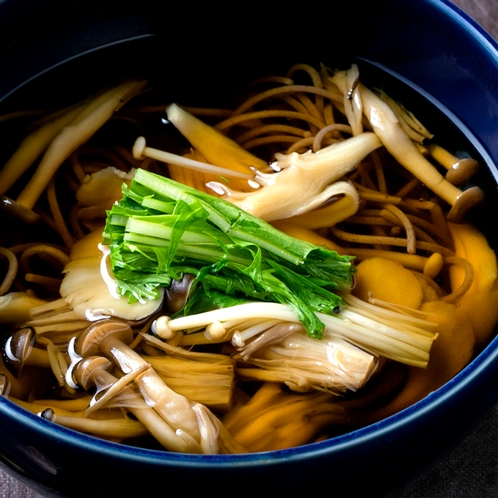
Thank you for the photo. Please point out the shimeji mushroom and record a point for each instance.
(194, 426)
(19, 351)
(460, 170)
(93, 372)
(386, 125)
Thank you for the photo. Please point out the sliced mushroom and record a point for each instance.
(89, 288)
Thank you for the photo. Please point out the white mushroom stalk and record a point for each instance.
(141, 151)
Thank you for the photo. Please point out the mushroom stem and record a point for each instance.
(115, 428)
(92, 371)
(110, 337)
(140, 151)
(398, 143)
(459, 170)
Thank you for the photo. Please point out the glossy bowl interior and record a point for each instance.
(430, 44)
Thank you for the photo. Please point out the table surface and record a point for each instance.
(469, 470)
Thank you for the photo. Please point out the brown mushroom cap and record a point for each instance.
(17, 349)
(177, 293)
(88, 342)
(464, 203)
(47, 414)
(462, 171)
(87, 369)
(17, 212)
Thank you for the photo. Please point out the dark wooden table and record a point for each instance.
(469, 470)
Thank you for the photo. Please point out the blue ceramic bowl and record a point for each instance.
(62, 46)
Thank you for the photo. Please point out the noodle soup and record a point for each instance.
(353, 349)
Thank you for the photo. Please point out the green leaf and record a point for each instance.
(161, 229)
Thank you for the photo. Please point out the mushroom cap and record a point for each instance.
(88, 343)
(177, 293)
(85, 371)
(464, 203)
(17, 349)
(462, 171)
(47, 414)
(17, 212)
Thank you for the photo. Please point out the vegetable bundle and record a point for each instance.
(161, 230)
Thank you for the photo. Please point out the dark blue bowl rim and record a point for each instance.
(468, 377)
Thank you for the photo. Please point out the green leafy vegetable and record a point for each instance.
(162, 229)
